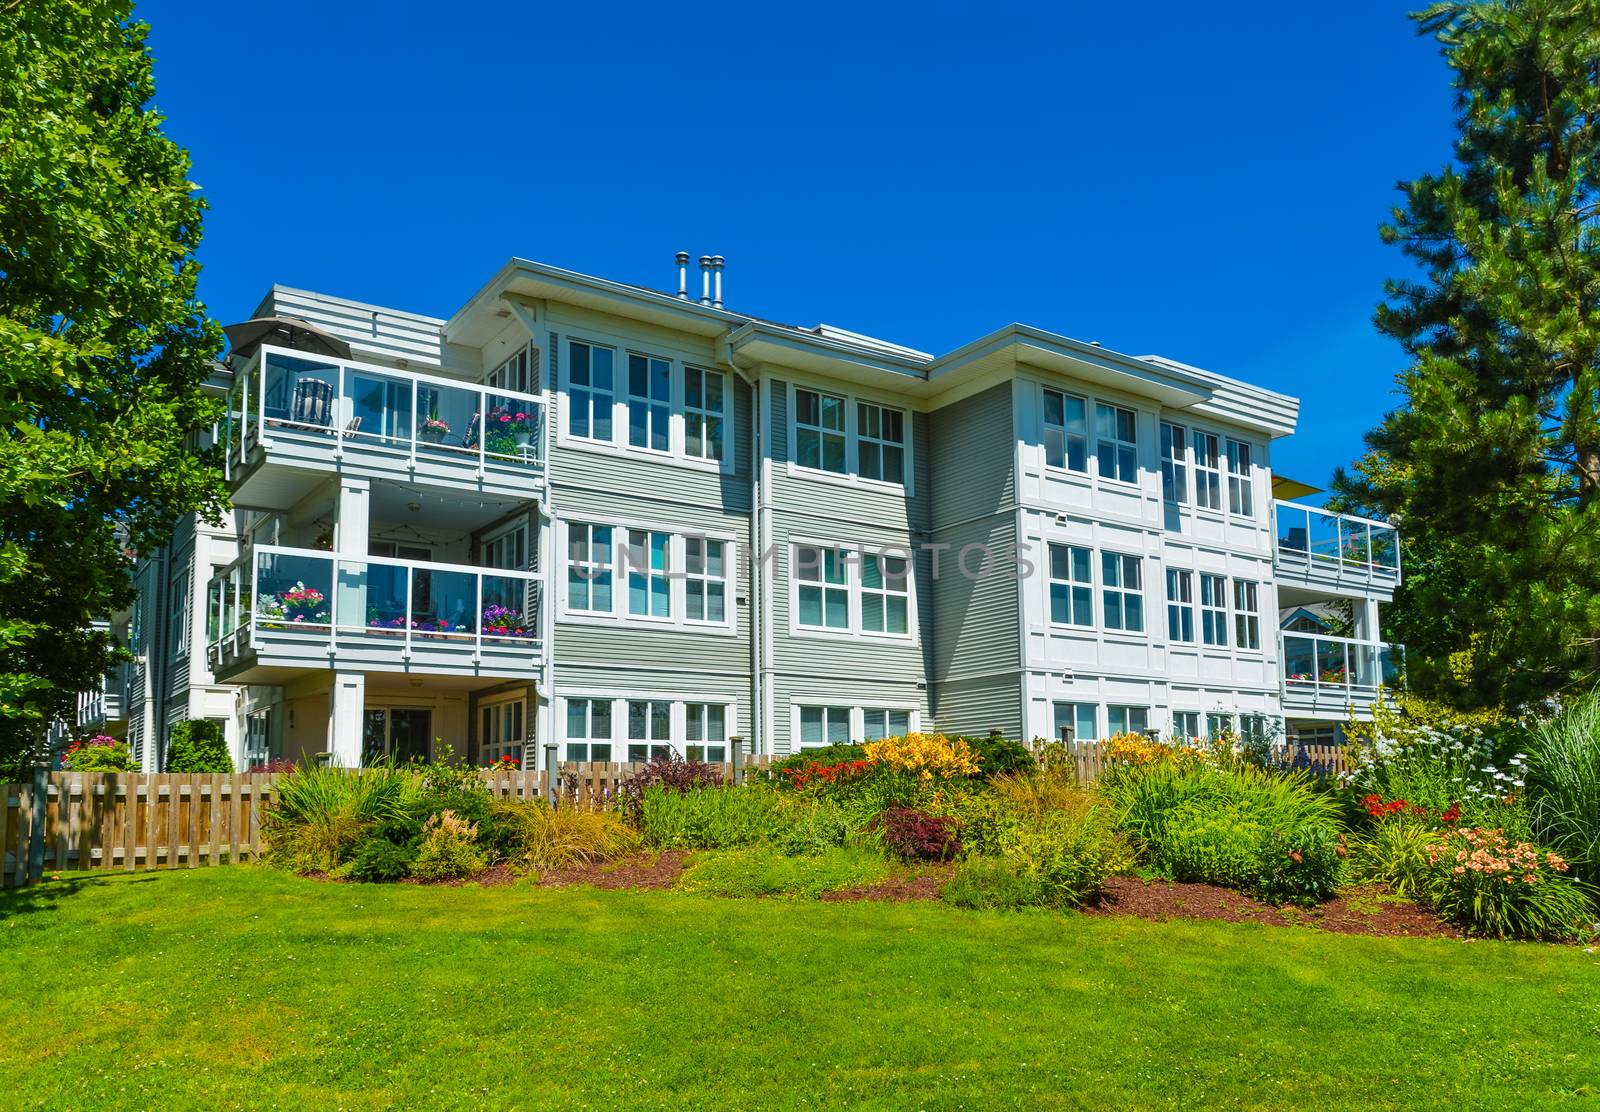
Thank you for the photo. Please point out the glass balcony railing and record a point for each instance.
(1319, 539)
(1316, 664)
(356, 406)
(294, 595)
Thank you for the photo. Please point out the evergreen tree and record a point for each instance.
(103, 347)
(1491, 466)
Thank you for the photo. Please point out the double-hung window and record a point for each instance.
(590, 390)
(1241, 495)
(1066, 432)
(885, 593)
(649, 403)
(1116, 443)
(1077, 717)
(1121, 591)
(819, 431)
(589, 568)
(823, 575)
(878, 724)
(880, 443)
(649, 729)
(1071, 586)
(1180, 605)
(705, 732)
(705, 580)
(1207, 472)
(703, 413)
(1219, 726)
(1246, 615)
(824, 726)
(649, 581)
(1213, 609)
(1127, 720)
(1185, 724)
(1174, 463)
(182, 606)
(588, 729)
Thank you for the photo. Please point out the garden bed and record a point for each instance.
(1367, 910)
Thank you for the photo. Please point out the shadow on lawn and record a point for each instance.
(48, 894)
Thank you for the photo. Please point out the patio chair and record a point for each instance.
(312, 407)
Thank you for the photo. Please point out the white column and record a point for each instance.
(1365, 614)
(346, 707)
(350, 517)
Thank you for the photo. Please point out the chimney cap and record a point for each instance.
(683, 257)
(705, 260)
(718, 261)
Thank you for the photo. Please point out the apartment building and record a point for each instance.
(619, 521)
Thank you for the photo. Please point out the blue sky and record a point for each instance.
(1202, 181)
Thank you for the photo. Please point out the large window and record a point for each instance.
(1071, 586)
(1077, 717)
(1246, 615)
(1174, 463)
(824, 587)
(1121, 587)
(1127, 720)
(588, 729)
(880, 442)
(182, 607)
(1180, 605)
(507, 549)
(703, 413)
(649, 403)
(1207, 472)
(1241, 497)
(589, 568)
(590, 390)
(1186, 725)
(1213, 609)
(502, 730)
(649, 729)
(705, 732)
(824, 726)
(1116, 441)
(819, 431)
(885, 593)
(705, 580)
(649, 581)
(878, 723)
(1066, 433)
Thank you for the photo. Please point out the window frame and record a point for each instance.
(1121, 450)
(852, 558)
(705, 415)
(649, 574)
(1241, 483)
(888, 713)
(1214, 614)
(1079, 709)
(1180, 610)
(651, 745)
(822, 432)
(1208, 476)
(608, 564)
(1127, 712)
(1121, 590)
(1075, 590)
(1182, 719)
(1246, 600)
(1064, 427)
(677, 582)
(589, 739)
(652, 405)
(853, 402)
(1174, 463)
(591, 392)
(796, 740)
(705, 579)
(880, 442)
(884, 592)
(491, 714)
(698, 713)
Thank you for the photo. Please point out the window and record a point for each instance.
(819, 431)
(1180, 605)
(824, 587)
(1185, 724)
(1207, 472)
(1255, 727)
(1066, 432)
(589, 390)
(1241, 497)
(589, 568)
(1213, 609)
(885, 593)
(1246, 615)
(181, 607)
(1071, 586)
(702, 413)
(649, 729)
(1174, 463)
(508, 550)
(501, 732)
(513, 374)
(705, 580)
(649, 402)
(1115, 442)
(879, 724)
(1120, 588)
(649, 585)
(1127, 720)
(588, 729)
(1077, 717)
(824, 726)
(1219, 726)
(706, 731)
(880, 443)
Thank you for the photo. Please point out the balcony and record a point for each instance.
(106, 708)
(309, 415)
(1324, 551)
(277, 611)
(1336, 676)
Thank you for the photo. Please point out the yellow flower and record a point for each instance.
(924, 755)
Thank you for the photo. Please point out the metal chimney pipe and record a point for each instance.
(717, 263)
(683, 276)
(705, 279)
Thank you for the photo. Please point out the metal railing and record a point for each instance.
(358, 406)
(1321, 539)
(1318, 664)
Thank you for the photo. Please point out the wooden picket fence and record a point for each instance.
(1090, 760)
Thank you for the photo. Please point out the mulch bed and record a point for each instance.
(917, 884)
(1369, 911)
(644, 870)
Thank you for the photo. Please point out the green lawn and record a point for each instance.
(241, 987)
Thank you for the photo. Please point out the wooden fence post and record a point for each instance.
(41, 803)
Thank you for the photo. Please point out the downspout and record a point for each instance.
(758, 733)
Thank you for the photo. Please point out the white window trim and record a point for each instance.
(678, 729)
(676, 562)
(1219, 512)
(726, 579)
(1094, 438)
(857, 711)
(1143, 633)
(1050, 581)
(493, 704)
(1088, 432)
(674, 403)
(852, 443)
(725, 415)
(1179, 462)
(853, 630)
(1234, 614)
(564, 361)
(1246, 480)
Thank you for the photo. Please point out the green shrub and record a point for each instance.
(538, 836)
(1564, 784)
(991, 883)
(1067, 855)
(100, 753)
(1496, 887)
(1396, 854)
(321, 815)
(709, 817)
(449, 849)
(379, 860)
(999, 757)
(984, 820)
(824, 755)
(766, 871)
(197, 745)
(810, 826)
(1300, 865)
(1212, 842)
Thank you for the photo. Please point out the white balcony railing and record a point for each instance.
(1316, 666)
(321, 604)
(342, 406)
(1317, 540)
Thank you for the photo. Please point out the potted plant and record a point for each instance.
(502, 621)
(433, 429)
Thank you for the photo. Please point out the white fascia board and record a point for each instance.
(1240, 402)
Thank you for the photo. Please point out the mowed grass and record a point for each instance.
(242, 987)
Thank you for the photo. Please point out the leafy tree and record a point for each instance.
(1491, 465)
(197, 745)
(103, 347)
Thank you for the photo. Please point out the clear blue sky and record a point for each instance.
(1202, 181)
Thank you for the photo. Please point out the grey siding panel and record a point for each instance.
(390, 333)
(977, 621)
(974, 707)
(863, 689)
(779, 391)
(974, 473)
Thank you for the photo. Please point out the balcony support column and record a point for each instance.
(346, 710)
(1365, 614)
(351, 516)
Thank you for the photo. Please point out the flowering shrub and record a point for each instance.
(449, 849)
(1302, 865)
(1504, 889)
(672, 773)
(918, 836)
(1378, 809)
(100, 753)
(506, 763)
(1136, 749)
(924, 755)
(816, 776)
(502, 621)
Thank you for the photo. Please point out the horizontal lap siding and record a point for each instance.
(369, 328)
